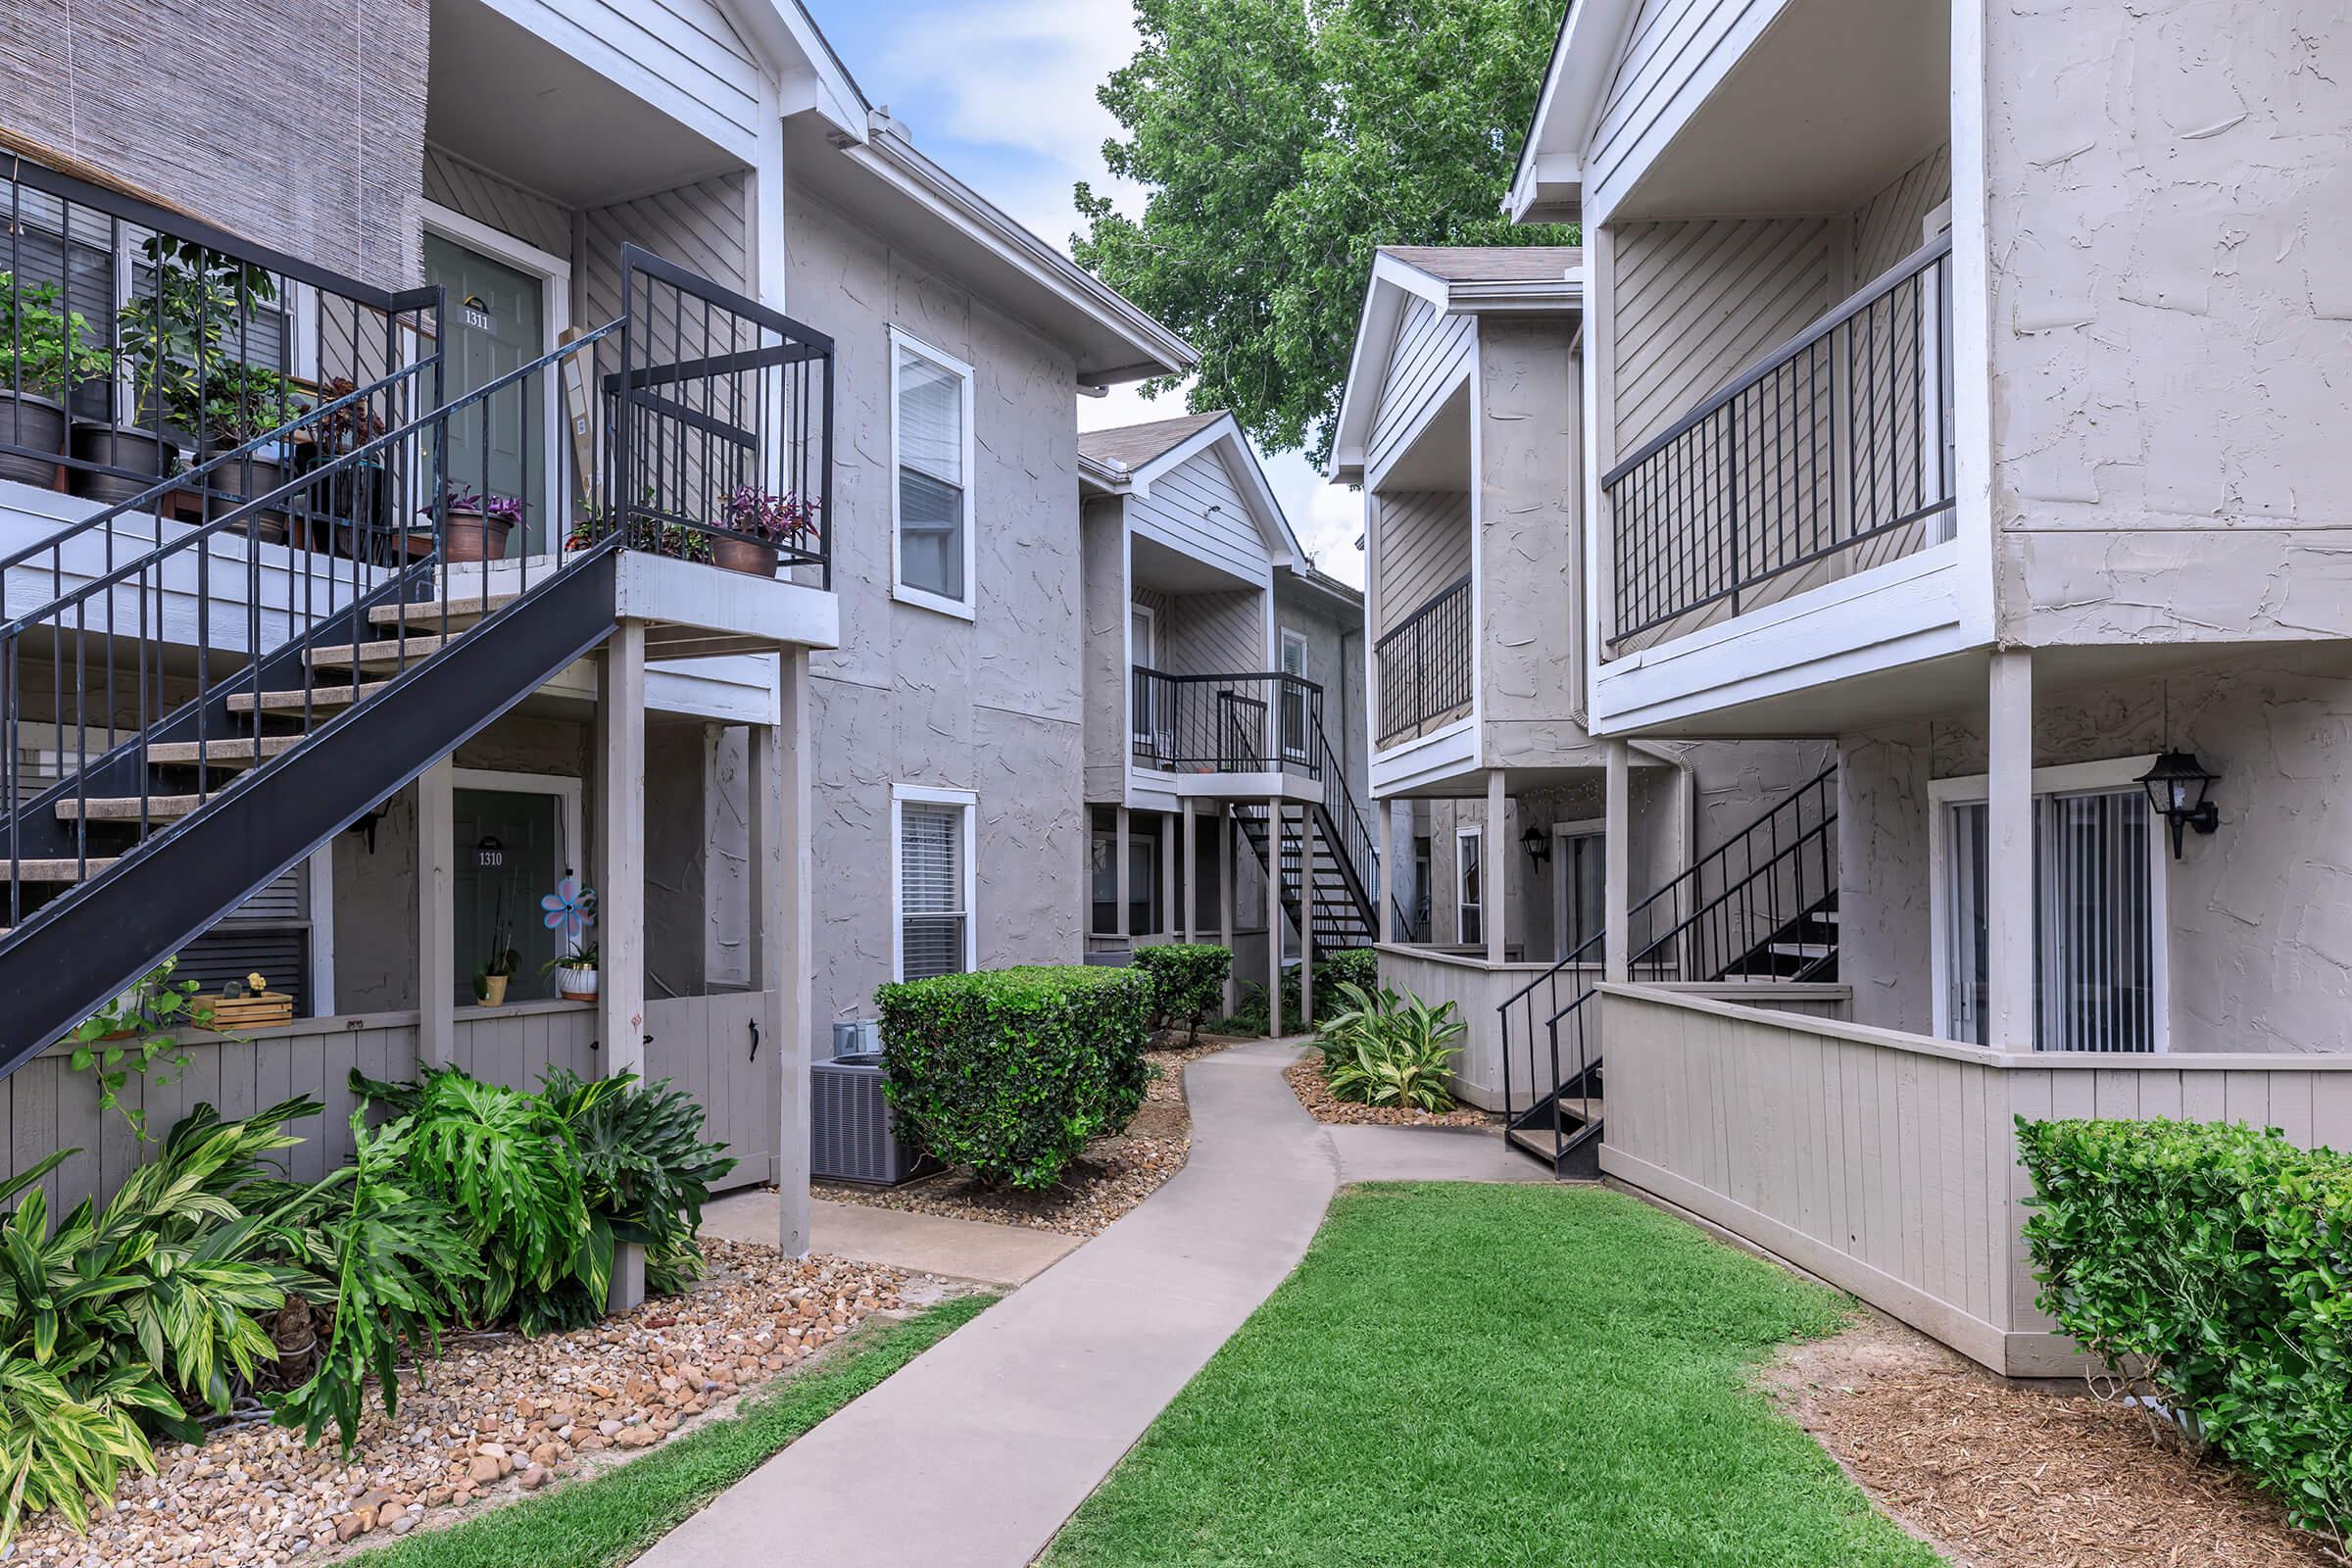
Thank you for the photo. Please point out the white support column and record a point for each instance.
(436, 914)
(1306, 918)
(1167, 878)
(1225, 868)
(1120, 926)
(1191, 868)
(1616, 862)
(2009, 853)
(1386, 819)
(1274, 917)
(621, 888)
(1496, 893)
(784, 934)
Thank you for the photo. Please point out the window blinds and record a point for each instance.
(931, 893)
(931, 478)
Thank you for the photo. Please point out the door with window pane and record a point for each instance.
(2094, 923)
(933, 900)
(1577, 890)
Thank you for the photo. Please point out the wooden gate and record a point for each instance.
(716, 1049)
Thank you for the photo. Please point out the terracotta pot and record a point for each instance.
(36, 428)
(475, 538)
(575, 985)
(744, 555)
(496, 986)
(131, 462)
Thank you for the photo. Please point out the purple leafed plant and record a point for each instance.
(459, 498)
(770, 518)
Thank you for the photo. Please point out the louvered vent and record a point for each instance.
(852, 1132)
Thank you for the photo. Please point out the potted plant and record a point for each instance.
(478, 524)
(241, 404)
(681, 543)
(491, 975)
(352, 501)
(575, 972)
(758, 522)
(45, 350)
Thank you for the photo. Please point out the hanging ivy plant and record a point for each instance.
(137, 1034)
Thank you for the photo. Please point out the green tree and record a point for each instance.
(1283, 141)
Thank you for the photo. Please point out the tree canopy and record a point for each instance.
(1281, 142)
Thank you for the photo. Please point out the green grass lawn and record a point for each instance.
(1510, 1375)
(609, 1519)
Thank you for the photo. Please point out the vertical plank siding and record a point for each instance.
(1886, 1163)
(703, 1043)
(1424, 546)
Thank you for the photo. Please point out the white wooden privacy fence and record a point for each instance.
(1887, 1163)
(702, 1043)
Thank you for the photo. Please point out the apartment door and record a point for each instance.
(496, 324)
(1577, 895)
(511, 853)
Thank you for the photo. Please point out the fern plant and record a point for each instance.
(1390, 1049)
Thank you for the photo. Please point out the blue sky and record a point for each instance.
(1003, 93)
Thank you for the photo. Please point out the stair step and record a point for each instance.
(229, 751)
(1583, 1111)
(382, 651)
(427, 611)
(1804, 950)
(125, 808)
(325, 694)
(65, 869)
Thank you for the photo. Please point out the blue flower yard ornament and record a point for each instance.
(570, 908)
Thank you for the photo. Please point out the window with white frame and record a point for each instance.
(1295, 709)
(1470, 877)
(931, 450)
(2098, 909)
(932, 831)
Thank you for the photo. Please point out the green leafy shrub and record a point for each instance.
(1012, 1071)
(645, 1173)
(2207, 1266)
(1341, 967)
(1383, 1049)
(1188, 982)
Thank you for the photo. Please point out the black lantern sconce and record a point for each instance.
(1536, 844)
(2176, 787)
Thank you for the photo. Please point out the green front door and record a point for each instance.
(509, 854)
(497, 323)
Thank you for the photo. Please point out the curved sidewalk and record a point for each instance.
(976, 1452)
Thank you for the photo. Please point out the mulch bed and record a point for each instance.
(1306, 1076)
(497, 1415)
(1106, 1181)
(2000, 1475)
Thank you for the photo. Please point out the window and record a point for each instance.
(1469, 872)
(931, 448)
(1422, 852)
(1578, 869)
(1295, 711)
(932, 830)
(2098, 909)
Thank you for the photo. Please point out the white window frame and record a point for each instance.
(967, 608)
(2113, 775)
(1462, 836)
(567, 792)
(969, 800)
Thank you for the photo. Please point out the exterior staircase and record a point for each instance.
(1339, 892)
(207, 743)
(1762, 906)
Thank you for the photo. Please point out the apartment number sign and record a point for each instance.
(489, 854)
(475, 312)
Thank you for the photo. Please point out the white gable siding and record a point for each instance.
(1673, 44)
(684, 56)
(699, 226)
(1177, 514)
(1430, 348)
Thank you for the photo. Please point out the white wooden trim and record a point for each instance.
(2070, 778)
(1485, 875)
(969, 800)
(320, 874)
(495, 243)
(565, 790)
(967, 608)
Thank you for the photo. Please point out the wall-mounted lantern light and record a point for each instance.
(1536, 843)
(2177, 786)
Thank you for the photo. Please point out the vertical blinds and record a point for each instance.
(931, 893)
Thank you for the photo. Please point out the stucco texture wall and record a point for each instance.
(1530, 442)
(2171, 244)
(298, 125)
(2259, 938)
(993, 704)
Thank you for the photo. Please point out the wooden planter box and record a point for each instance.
(247, 1012)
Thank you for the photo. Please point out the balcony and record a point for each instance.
(1829, 458)
(1226, 724)
(1423, 667)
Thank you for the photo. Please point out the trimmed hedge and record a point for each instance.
(1188, 982)
(2216, 1262)
(1010, 1071)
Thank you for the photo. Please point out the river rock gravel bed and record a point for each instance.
(1306, 1081)
(497, 1415)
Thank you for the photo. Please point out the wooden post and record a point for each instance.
(1306, 918)
(1121, 928)
(1386, 816)
(1616, 863)
(2009, 853)
(620, 889)
(783, 922)
(1496, 848)
(1192, 866)
(436, 914)
(1233, 979)
(1167, 878)
(1274, 917)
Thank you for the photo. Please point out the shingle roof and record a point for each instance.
(1131, 446)
(1489, 264)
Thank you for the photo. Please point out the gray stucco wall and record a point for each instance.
(298, 125)
(993, 704)
(1102, 532)
(2171, 242)
(2260, 940)
(1529, 444)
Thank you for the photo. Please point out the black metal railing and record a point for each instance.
(1715, 921)
(1422, 666)
(1254, 723)
(137, 343)
(1836, 445)
(721, 422)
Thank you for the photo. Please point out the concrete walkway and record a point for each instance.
(922, 1243)
(976, 1452)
